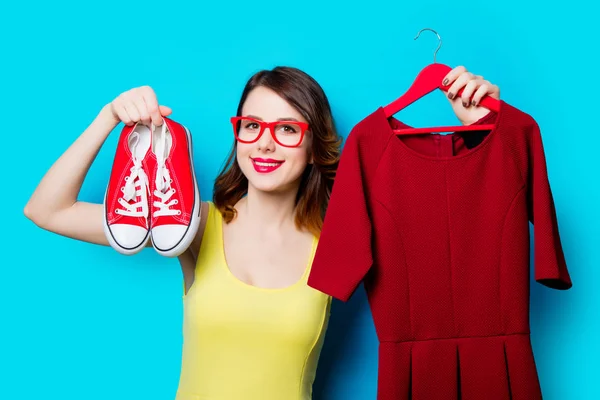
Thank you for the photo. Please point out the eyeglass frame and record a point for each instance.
(304, 126)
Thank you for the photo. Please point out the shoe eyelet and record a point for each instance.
(170, 180)
(178, 212)
(123, 189)
(172, 190)
(126, 178)
(175, 201)
(117, 211)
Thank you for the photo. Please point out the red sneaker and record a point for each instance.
(175, 196)
(126, 207)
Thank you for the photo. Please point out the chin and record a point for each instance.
(274, 182)
(262, 185)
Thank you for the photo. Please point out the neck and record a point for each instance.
(269, 210)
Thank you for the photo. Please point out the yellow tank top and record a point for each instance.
(241, 342)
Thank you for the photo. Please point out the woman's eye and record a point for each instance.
(288, 129)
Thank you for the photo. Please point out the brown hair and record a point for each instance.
(306, 95)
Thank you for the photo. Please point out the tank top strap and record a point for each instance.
(211, 248)
(213, 228)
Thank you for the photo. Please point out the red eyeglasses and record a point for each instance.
(285, 133)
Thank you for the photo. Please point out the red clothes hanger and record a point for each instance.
(429, 79)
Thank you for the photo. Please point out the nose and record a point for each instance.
(266, 142)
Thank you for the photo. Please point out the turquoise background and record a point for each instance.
(79, 321)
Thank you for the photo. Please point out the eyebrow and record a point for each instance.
(279, 119)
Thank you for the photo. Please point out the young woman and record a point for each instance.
(253, 328)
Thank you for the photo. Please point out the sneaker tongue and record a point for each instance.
(163, 147)
(134, 139)
(129, 189)
(162, 142)
(163, 179)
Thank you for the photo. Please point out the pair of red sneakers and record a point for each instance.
(152, 194)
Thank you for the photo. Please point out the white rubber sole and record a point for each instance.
(107, 232)
(190, 234)
(111, 240)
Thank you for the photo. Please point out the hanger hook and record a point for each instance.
(439, 41)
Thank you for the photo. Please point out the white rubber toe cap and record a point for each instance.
(168, 237)
(129, 236)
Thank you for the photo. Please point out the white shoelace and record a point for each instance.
(136, 186)
(163, 180)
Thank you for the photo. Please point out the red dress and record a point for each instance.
(437, 226)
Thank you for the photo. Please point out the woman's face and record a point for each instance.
(269, 166)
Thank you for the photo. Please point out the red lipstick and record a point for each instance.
(266, 165)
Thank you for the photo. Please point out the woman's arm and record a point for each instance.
(53, 205)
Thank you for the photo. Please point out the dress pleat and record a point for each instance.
(521, 368)
(483, 369)
(434, 370)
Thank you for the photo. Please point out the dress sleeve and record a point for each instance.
(549, 261)
(343, 255)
